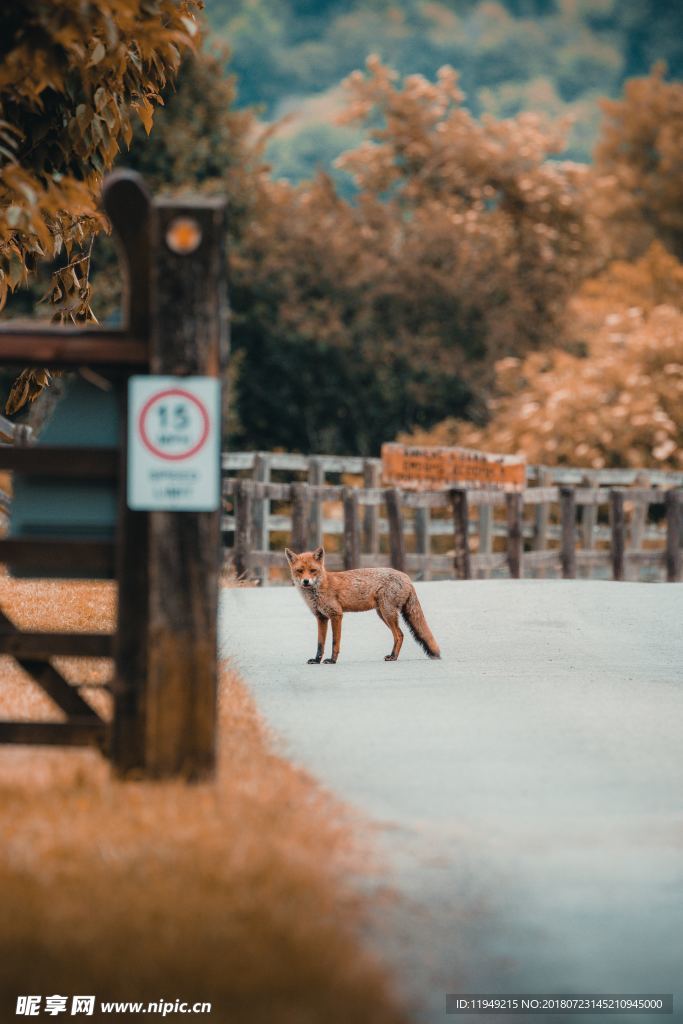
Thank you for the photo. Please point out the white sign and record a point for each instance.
(174, 444)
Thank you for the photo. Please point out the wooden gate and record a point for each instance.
(166, 564)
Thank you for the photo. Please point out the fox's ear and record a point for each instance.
(319, 554)
(290, 555)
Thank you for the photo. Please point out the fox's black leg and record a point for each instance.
(336, 640)
(322, 633)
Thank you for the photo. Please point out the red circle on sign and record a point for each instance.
(149, 444)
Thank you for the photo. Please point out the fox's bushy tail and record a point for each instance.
(414, 618)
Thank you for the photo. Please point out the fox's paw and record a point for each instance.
(313, 661)
(330, 661)
(391, 657)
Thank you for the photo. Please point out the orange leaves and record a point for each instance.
(96, 62)
(621, 403)
(641, 150)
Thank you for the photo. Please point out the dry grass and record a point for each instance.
(233, 893)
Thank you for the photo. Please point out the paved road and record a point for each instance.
(529, 786)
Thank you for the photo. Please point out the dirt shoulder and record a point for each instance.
(235, 893)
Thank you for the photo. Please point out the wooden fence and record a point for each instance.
(16, 435)
(569, 522)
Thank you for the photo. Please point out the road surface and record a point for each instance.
(528, 787)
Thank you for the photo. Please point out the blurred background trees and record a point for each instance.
(553, 56)
(420, 251)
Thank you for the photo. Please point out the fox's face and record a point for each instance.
(307, 568)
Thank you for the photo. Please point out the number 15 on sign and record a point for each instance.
(174, 444)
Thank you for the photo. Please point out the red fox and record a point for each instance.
(330, 594)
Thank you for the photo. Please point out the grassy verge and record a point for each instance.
(233, 893)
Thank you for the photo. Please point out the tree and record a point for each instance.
(72, 78)
(358, 319)
(620, 403)
(640, 152)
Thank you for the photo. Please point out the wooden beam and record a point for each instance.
(397, 544)
(316, 478)
(128, 206)
(52, 461)
(64, 695)
(618, 534)
(568, 543)
(461, 541)
(372, 479)
(513, 503)
(90, 733)
(351, 529)
(57, 645)
(299, 517)
(242, 499)
(673, 536)
(70, 555)
(188, 336)
(56, 346)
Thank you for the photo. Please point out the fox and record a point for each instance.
(330, 594)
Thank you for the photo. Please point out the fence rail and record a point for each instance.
(619, 524)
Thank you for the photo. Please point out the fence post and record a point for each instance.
(397, 544)
(299, 514)
(639, 513)
(242, 498)
(128, 206)
(513, 502)
(616, 499)
(372, 478)
(542, 515)
(673, 536)
(422, 543)
(589, 513)
(461, 541)
(261, 510)
(188, 335)
(351, 529)
(568, 542)
(316, 477)
(485, 534)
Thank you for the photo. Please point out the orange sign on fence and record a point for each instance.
(433, 468)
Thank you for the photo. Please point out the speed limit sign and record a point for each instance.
(174, 443)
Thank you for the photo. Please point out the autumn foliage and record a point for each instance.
(464, 242)
(73, 80)
(454, 277)
(620, 402)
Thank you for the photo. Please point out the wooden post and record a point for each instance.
(261, 510)
(568, 542)
(485, 517)
(639, 513)
(618, 534)
(299, 510)
(461, 541)
(372, 477)
(316, 477)
(673, 536)
(513, 504)
(589, 513)
(128, 206)
(351, 529)
(241, 500)
(542, 516)
(397, 544)
(188, 335)
(422, 545)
